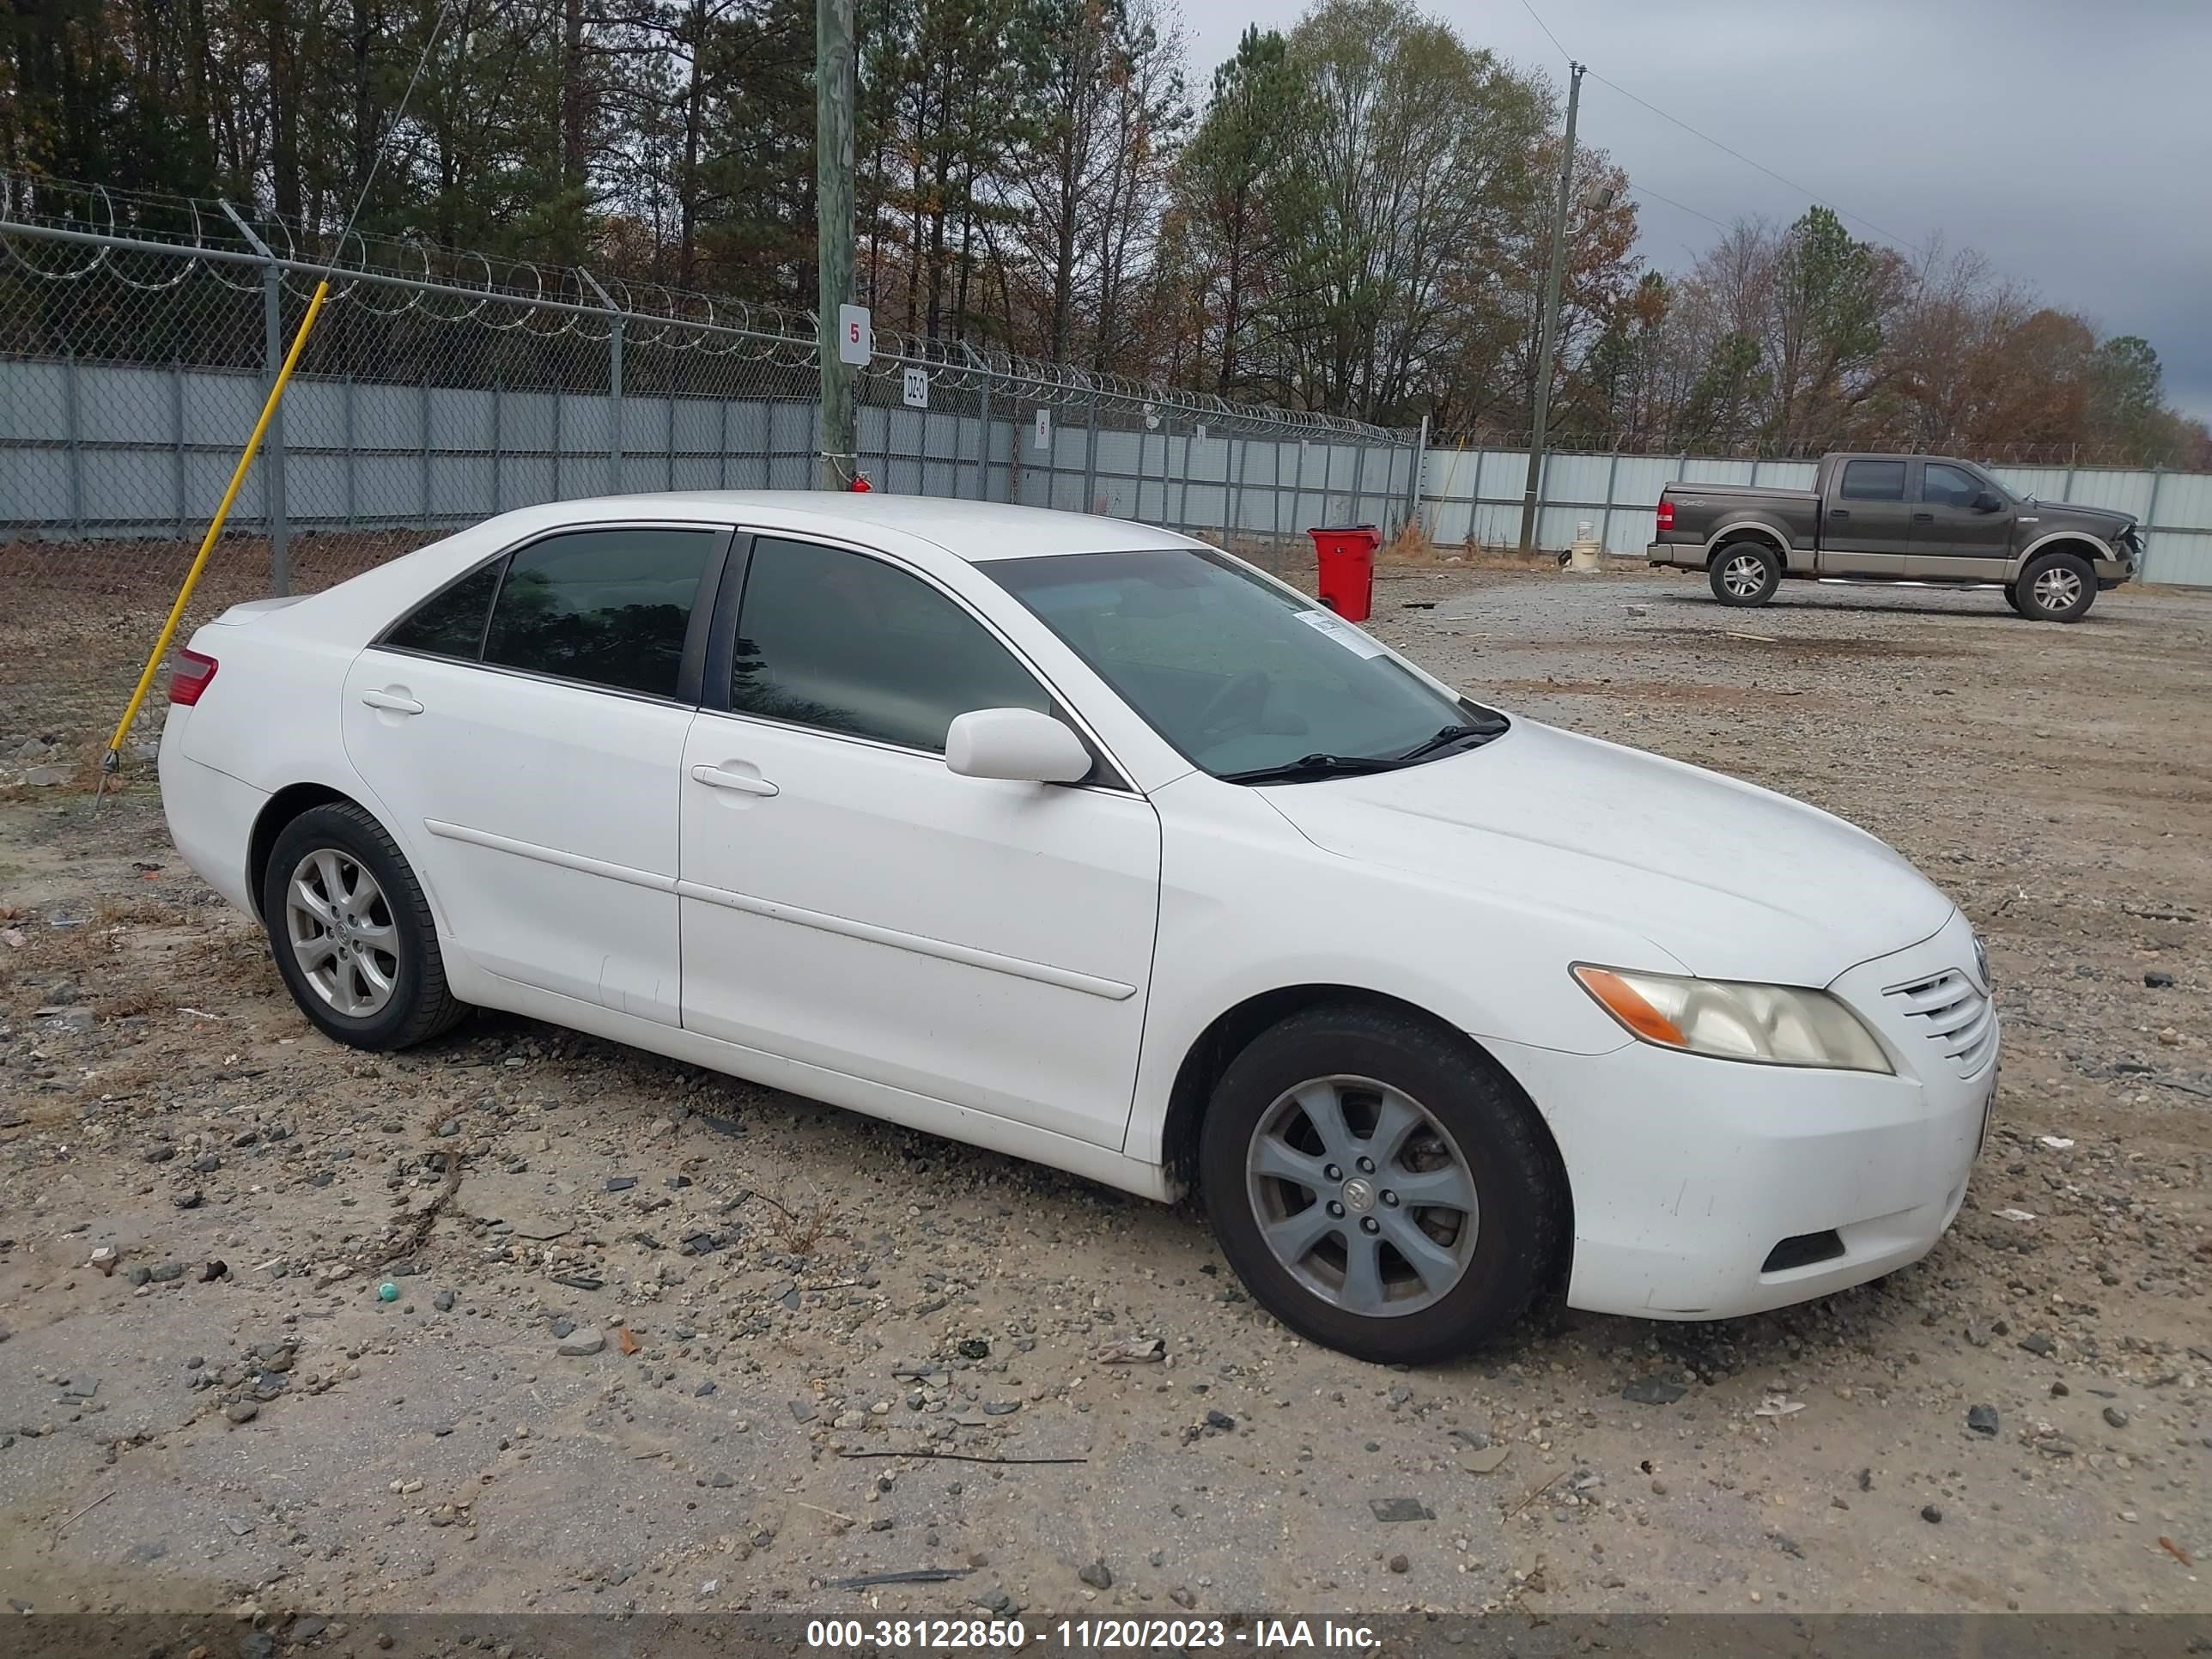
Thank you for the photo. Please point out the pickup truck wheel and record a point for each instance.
(1380, 1186)
(2056, 587)
(1746, 572)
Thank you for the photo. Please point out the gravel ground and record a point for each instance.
(653, 1332)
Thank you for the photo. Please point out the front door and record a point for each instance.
(849, 902)
(1866, 528)
(1951, 537)
(525, 731)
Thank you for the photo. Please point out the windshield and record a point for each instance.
(1243, 678)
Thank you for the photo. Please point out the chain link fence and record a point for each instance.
(138, 340)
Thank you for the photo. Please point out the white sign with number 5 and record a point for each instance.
(1043, 439)
(856, 335)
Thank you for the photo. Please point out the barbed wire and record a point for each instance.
(84, 227)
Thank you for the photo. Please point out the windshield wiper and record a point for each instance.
(1449, 736)
(1309, 766)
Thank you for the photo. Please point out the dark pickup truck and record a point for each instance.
(1922, 519)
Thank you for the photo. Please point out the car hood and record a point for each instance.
(2097, 520)
(1729, 880)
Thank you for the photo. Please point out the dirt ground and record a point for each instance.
(662, 1341)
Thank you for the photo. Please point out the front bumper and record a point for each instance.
(1689, 1176)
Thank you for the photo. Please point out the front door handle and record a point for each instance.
(391, 701)
(747, 783)
(1924, 517)
(1839, 513)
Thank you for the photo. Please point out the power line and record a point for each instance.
(1811, 195)
(1646, 190)
(1546, 27)
(376, 160)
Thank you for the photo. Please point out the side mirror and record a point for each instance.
(1017, 744)
(1988, 501)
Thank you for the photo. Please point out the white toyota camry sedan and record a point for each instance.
(1084, 841)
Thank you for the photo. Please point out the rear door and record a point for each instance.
(1867, 529)
(525, 728)
(1951, 537)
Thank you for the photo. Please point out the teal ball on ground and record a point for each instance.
(387, 1291)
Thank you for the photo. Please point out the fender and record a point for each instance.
(1793, 558)
(2018, 562)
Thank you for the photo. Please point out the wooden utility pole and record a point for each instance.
(1549, 338)
(838, 432)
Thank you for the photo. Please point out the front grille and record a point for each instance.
(1953, 1015)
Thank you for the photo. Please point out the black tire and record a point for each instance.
(1729, 566)
(419, 1005)
(1521, 1204)
(2013, 599)
(2055, 586)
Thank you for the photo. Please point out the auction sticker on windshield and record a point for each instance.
(1328, 622)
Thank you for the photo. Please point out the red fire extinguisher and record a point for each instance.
(860, 484)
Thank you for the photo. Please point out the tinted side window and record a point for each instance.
(606, 606)
(451, 623)
(1948, 486)
(850, 644)
(1874, 481)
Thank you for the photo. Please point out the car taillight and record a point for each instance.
(193, 675)
(1666, 513)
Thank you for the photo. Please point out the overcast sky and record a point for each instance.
(2070, 140)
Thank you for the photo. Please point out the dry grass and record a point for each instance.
(802, 1225)
(1412, 546)
(136, 912)
(129, 1001)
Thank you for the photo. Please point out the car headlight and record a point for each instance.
(1726, 1019)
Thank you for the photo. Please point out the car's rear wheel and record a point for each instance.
(2055, 586)
(1746, 572)
(1380, 1187)
(352, 932)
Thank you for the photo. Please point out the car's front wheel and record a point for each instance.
(1380, 1186)
(352, 932)
(1746, 572)
(2055, 587)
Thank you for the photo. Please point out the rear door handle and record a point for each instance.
(392, 700)
(715, 777)
(1924, 517)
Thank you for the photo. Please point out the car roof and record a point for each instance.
(976, 532)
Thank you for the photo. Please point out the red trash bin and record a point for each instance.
(1347, 555)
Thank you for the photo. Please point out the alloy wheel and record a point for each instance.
(1744, 576)
(1362, 1196)
(2057, 588)
(340, 927)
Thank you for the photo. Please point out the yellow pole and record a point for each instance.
(110, 760)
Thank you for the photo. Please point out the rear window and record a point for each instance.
(1874, 481)
(451, 623)
(608, 607)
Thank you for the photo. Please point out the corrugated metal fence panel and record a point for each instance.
(102, 450)
(2180, 540)
(149, 451)
(2047, 482)
(1788, 475)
